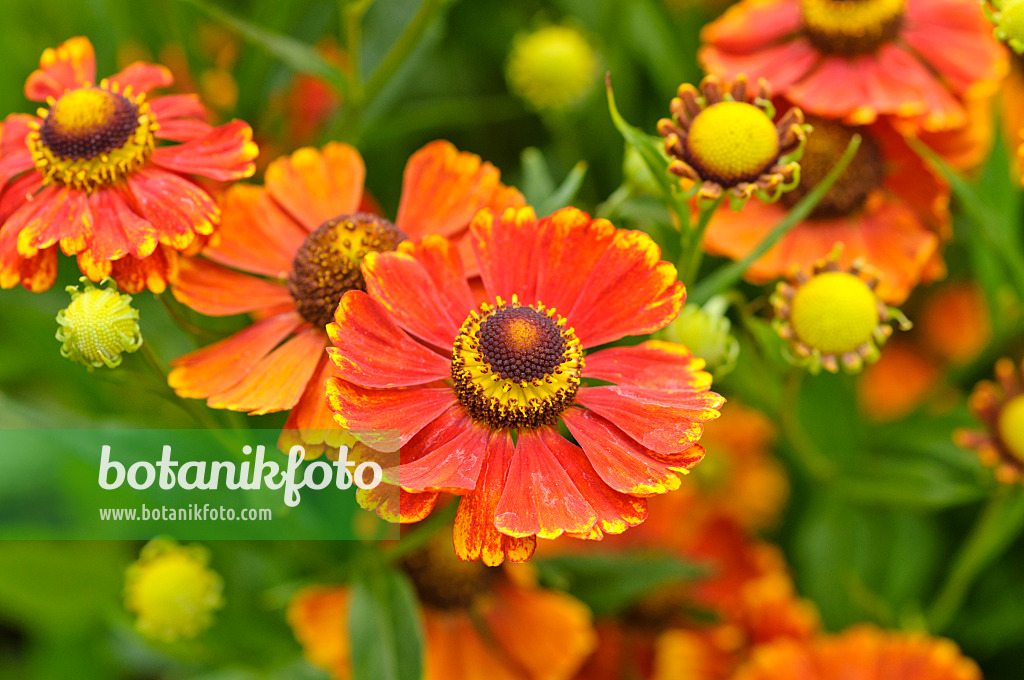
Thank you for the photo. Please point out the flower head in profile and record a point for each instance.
(724, 138)
(861, 59)
(108, 174)
(1000, 407)
(474, 389)
(834, 317)
(288, 251)
(172, 591)
(552, 68)
(98, 326)
(886, 208)
(477, 621)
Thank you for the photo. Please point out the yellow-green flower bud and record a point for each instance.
(706, 331)
(172, 591)
(98, 326)
(553, 68)
(1008, 16)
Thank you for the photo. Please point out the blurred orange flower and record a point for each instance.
(287, 253)
(553, 288)
(861, 59)
(88, 175)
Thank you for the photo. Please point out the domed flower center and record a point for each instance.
(444, 581)
(98, 326)
(326, 266)
(92, 136)
(516, 366)
(851, 26)
(835, 313)
(1011, 427)
(732, 142)
(825, 145)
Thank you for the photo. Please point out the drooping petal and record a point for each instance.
(255, 234)
(222, 365)
(443, 188)
(177, 208)
(65, 67)
(225, 154)
(36, 273)
(750, 26)
(654, 363)
(63, 216)
(391, 503)
(666, 421)
(133, 275)
(781, 65)
(475, 536)
(315, 186)
(629, 292)
(180, 117)
(118, 229)
(400, 282)
(371, 350)
(276, 381)
(446, 455)
(212, 289)
(143, 77)
(386, 419)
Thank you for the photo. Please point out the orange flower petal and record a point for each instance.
(376, 352)
(442, 261)
(14, 163)
(177, 208)
(118, 231)
(36, 273)
(276, 381)
(63, 216)
(455, 649)
(311, 412)
(143, 77)
(446, 455)
(386, 419)
(318, 617)
(442, 189)
(70, 64)
(506, 250)
(211, 289)
(391, 503)
(315, 186)
(218, 367)
(752, 25)
(181, 117)
(567, 252)
(781, 65)
(225, 154)
(255, 235)
(13, 131)
(133, 275)
(653, 363)
(475, 536)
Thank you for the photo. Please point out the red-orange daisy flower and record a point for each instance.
(475, 392)
(1000, 406)
(478, 622)
(887, 209)
(859, 59)
(286, 254)
(864, 653)
(88, 174)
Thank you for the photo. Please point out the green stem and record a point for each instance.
(807, 454)
(694, 238)
(200, 415)
(424, 531)
(999, 524)
(729, 275)
(352, 12)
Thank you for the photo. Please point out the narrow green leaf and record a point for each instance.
(566, 191)
(538, 183)
(384, 627)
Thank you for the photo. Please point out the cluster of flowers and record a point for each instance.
(458, 344)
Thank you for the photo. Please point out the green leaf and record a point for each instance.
(538, 183)
(566, 191)
(608, 584)
(296, 54)
(384, 627)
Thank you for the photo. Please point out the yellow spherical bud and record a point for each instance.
(733, 141)
(1011, 426)
(172, 592)
(98, 326)
(706, 332)
(835, 313)
(552, 68)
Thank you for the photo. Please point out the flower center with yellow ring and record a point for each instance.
(516, 366)
(851, 26)
(92, 136)
(1011, 426)
(732, 142)
(835, 313)
(825, 145)
(444, 581)
(327, 265)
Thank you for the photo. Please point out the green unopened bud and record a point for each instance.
(553, 68)
(706, 331)
(98, 326)
(1008, 16)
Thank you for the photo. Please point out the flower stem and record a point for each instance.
(693, 251)
(807, 454)
(999, 524)
(200, 415)
(352, 12)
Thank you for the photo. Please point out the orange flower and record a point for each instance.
(478, 621)
(463, 378)
(864, 653)
(289, 251)
(860, 59)
(954, 322)
(895, 385)
(887, 209)
(87, 174)
(1001, 408)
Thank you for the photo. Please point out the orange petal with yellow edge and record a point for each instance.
(65, 67)
(318, 617)
(212, 289)
(317, 185)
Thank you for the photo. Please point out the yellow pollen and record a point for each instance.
(1011, 426)
(521, 334)
(835, 313)
(84, 109)
(733, 142)
(851, 26)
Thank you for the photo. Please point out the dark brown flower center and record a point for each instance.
(444, 581)
(328, 264)
(824, 147)
(521, 344)
(88, 122)
(851, 26)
